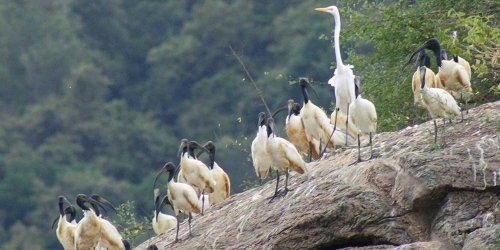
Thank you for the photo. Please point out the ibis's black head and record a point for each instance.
(193, 145)
(262, 119)
(293, 108)
(82, 199)
(126, 244)
(210, 146)
(270, 126)
(290, 106)
(152, 247)
(61, 199)
(61, 204)
(296, 109)
(183, 147)
(422, 70)
(103, 201)
(169, 168)
(431, 44)
(71, 211)
(165, 201)
(304, 82)
(357, 85)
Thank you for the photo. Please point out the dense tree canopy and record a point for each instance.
(95, 95)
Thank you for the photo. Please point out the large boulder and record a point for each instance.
(413, 195)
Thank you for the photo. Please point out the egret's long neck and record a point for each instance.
(336, 35)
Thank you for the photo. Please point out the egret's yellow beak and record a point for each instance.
(322, 9)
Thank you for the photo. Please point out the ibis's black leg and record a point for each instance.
(286, 183)
(347, 124)
(371, 152)
(190, 217)
(435, 131)
(359, 149)
(444, 131)
(310, 152)
(177, 232)
(277, 183)
(202, 201)
(320, 151)
(462, 109)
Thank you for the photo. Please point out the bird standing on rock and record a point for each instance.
(438, 102)
(343, 77)
(260, 156)
(284, 156)
(364, 115)
(182, 196)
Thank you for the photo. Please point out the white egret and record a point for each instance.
(343, 77)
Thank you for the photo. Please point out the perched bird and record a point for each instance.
(295, 131)
(162, 222)
(343, 77)
(452, 76)
(364, 115)
(88, 229)
(317, 126)
(423, 60)
(284, 155)
(65, 229)
(222, 188)
(195, 172)
(110, 238)
(182, 196)
(438, 102)
(260, 157)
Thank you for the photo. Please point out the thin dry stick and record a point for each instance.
(259, 92)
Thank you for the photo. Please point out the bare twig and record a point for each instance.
(259, 92)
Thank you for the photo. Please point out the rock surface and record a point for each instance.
(414, 195)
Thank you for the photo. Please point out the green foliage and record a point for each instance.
(130, 226)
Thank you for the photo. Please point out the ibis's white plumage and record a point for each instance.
(260, 157)
(164, 223)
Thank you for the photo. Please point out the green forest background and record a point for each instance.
(95, 95)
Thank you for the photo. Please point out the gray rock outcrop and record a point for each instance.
(414, 195)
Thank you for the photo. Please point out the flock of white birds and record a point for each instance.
(310, 133)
